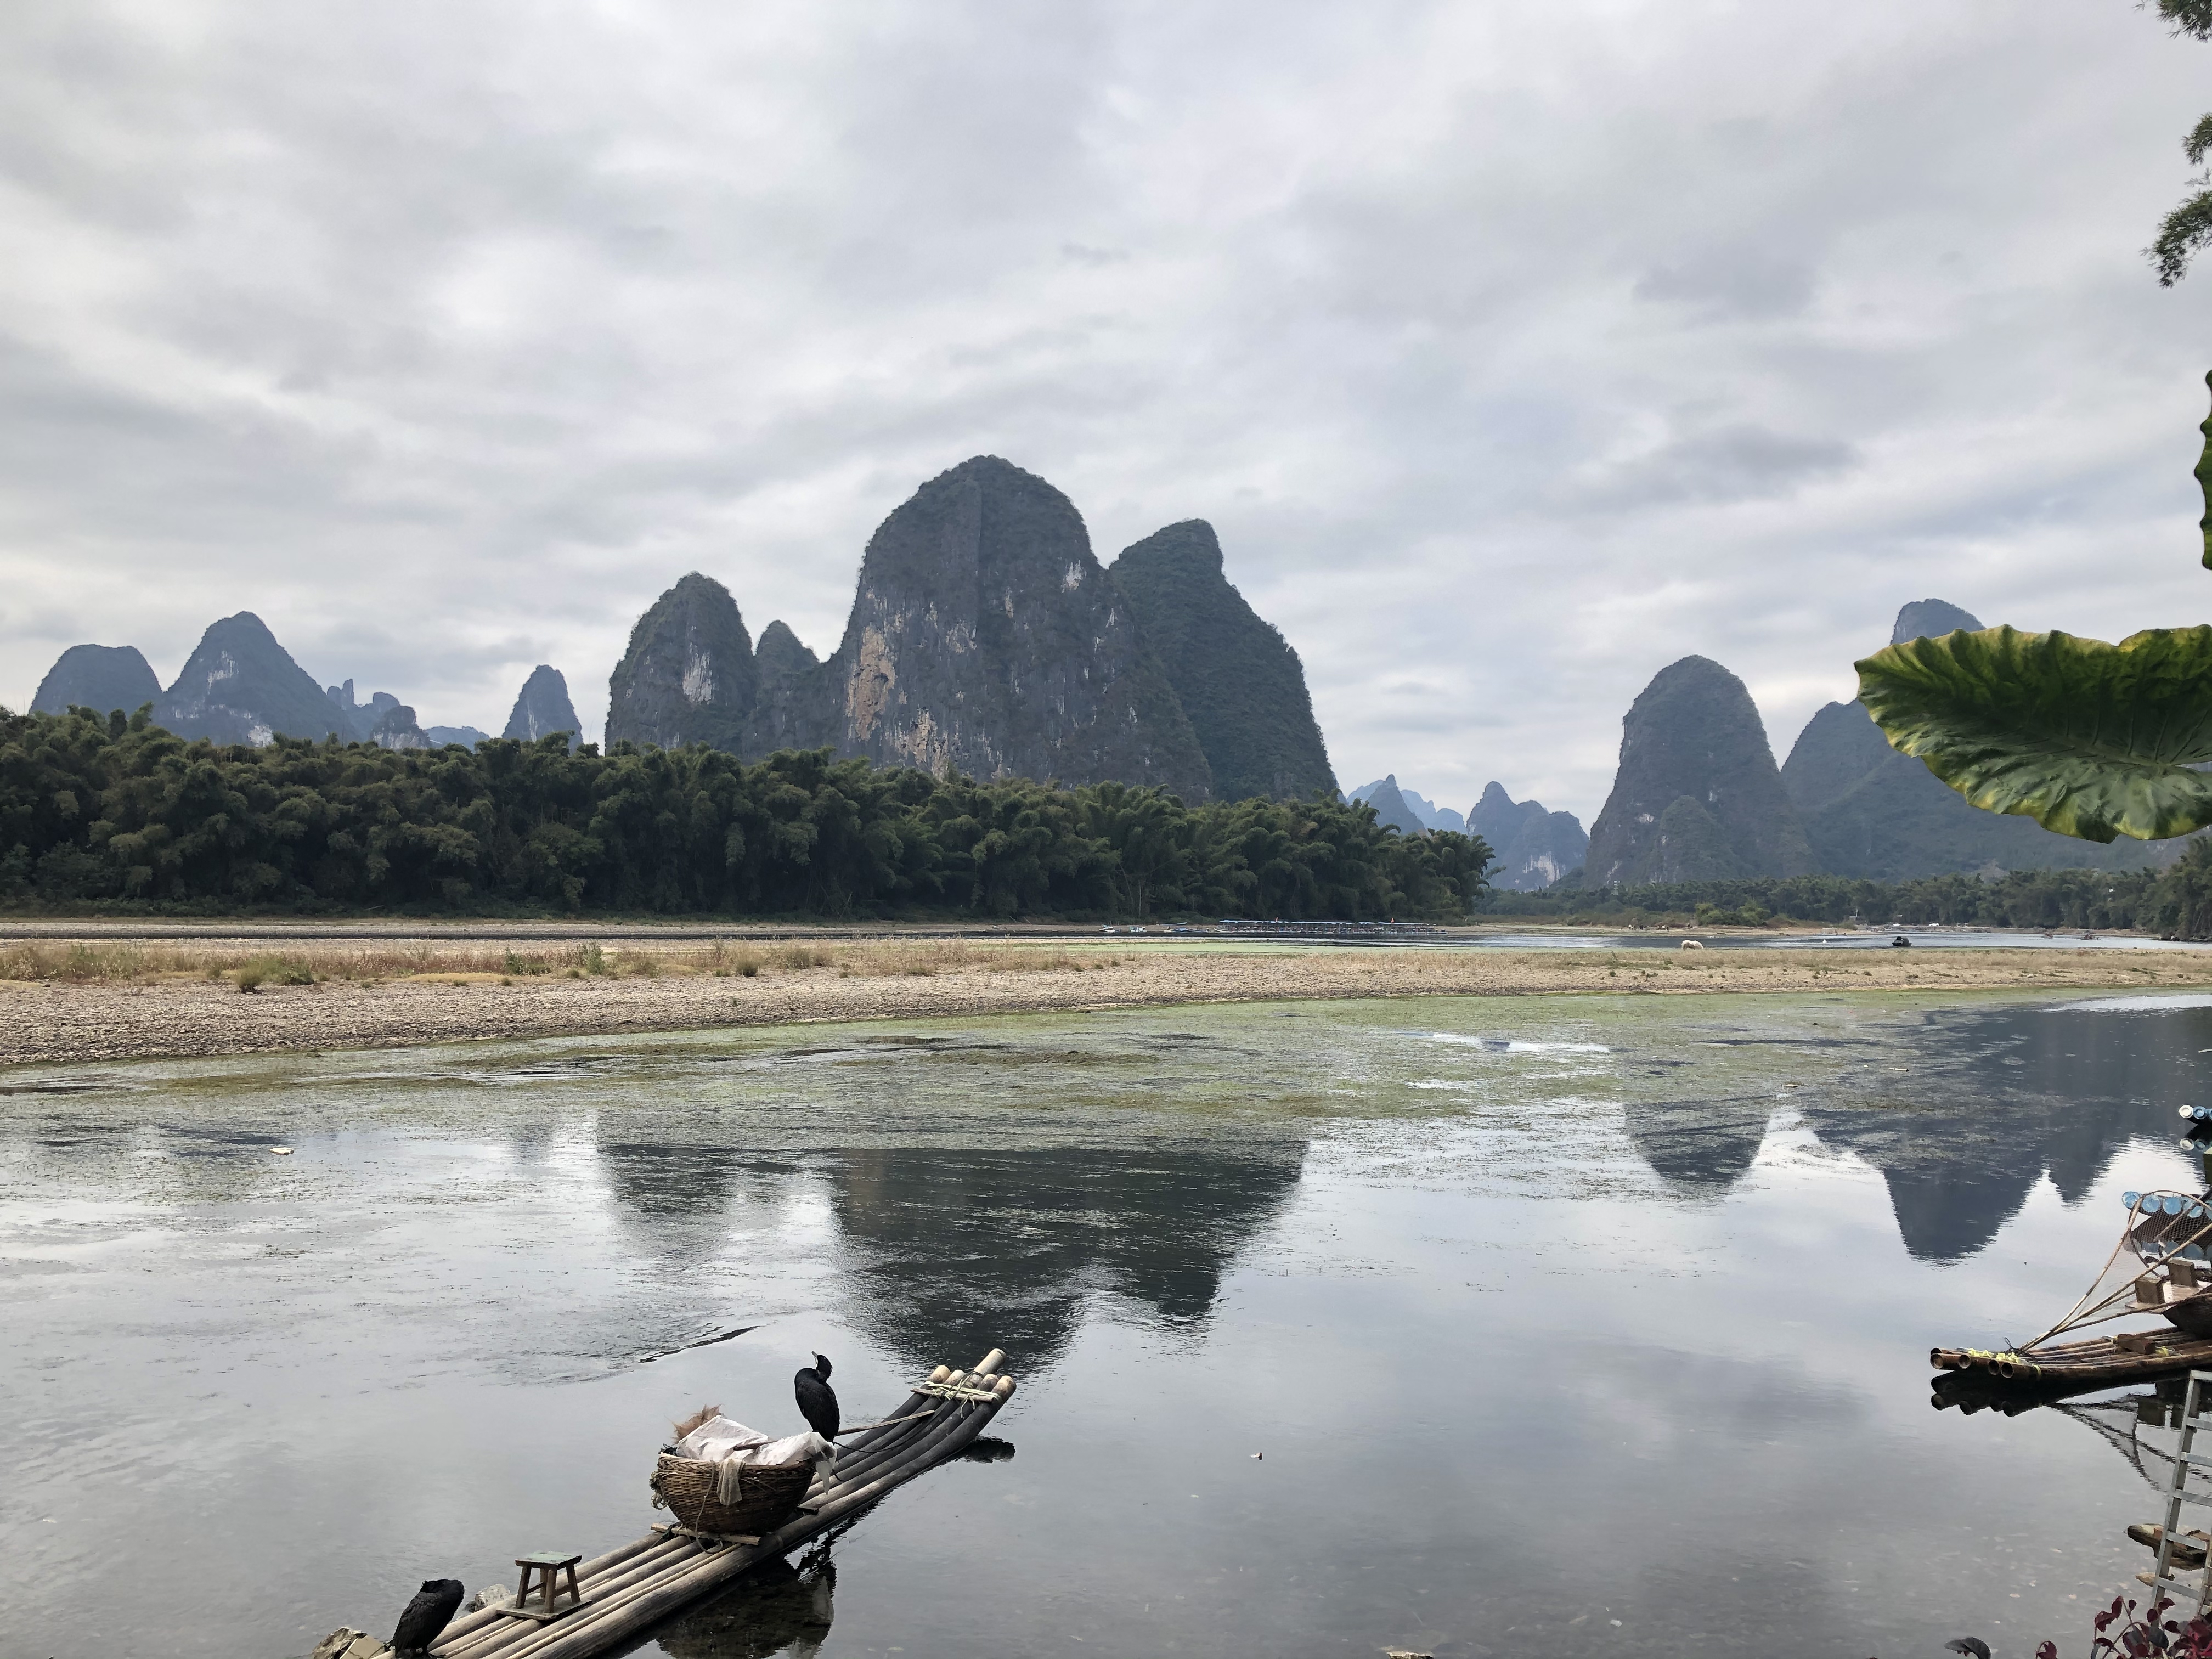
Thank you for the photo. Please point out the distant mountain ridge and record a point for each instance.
(240, 685)
(1870, 810)
(1532, 848)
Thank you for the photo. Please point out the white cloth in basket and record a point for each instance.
(722, 1441)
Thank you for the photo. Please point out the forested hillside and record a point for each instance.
(109, 813)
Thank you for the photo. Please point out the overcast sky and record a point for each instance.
(1515, 348)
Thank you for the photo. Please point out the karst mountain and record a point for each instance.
(985, 639)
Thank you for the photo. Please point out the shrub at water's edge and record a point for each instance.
(109, 813)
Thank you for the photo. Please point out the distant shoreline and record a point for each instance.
(46, 1022)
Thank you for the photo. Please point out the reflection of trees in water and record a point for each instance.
(1998, 1098)
(956, 1250)
(775, 1608)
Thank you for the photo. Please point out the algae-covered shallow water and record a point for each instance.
(1571, 1326)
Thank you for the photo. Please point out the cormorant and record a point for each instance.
(1972, 1645)
(430, 1611)
(817, 1401)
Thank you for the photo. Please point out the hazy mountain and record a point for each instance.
(240, 686)
(1698, 796)
(1927, 619)
(1870, 810)
(104, 677)
(1431, 816)
(1533, 848)
(542, 707)
(687, 676)
(1390, 806)
(1238, 680)
(467, 736)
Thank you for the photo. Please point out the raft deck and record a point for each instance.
(2096, 1362)
(629, 1589)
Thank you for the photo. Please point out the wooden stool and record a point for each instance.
(547, 1564)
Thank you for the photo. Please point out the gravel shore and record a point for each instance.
(51, 1022)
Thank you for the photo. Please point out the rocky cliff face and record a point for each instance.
(1391, 808)
(542, 707)
(1870, 810)
(1533, 848)
(397, 728)
(1698, 796)
(240, 686)
(104, 677)
(687, 676)
(985, 638)
(1238, 678)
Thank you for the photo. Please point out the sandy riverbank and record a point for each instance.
(51, 1022)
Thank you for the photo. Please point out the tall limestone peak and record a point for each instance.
(1697, 795)
(542, 707)
(1238, 678)
(240, 686)
(688, 675)
(985, 638)
(1532, 848)
(1928, 619)
(104, 677)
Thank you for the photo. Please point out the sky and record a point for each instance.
(1514, 350)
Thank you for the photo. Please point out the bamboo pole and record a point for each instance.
(466, 1637)
(650, 1554)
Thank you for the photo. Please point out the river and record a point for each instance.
(1571, 1325)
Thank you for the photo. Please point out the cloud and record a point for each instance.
(1514, 352)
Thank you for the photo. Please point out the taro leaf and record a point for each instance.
(2089, 740)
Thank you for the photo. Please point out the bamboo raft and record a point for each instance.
(628, 1590)
(2160, 1268)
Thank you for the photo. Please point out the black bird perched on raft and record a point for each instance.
(817, 1401)
(430, 1611)
(1972, 1645)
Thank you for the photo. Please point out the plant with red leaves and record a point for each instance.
(2121, 1634)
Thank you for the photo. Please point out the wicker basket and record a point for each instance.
(770, 1495)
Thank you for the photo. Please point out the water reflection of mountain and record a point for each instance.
(1699, 1146)
(960, 1249)
(1997, 1098)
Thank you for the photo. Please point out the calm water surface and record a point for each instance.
(1570, 1326)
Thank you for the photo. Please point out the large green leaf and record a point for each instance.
(2089, 740)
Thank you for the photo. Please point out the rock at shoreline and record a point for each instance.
(103, 677)
(1238, 678)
